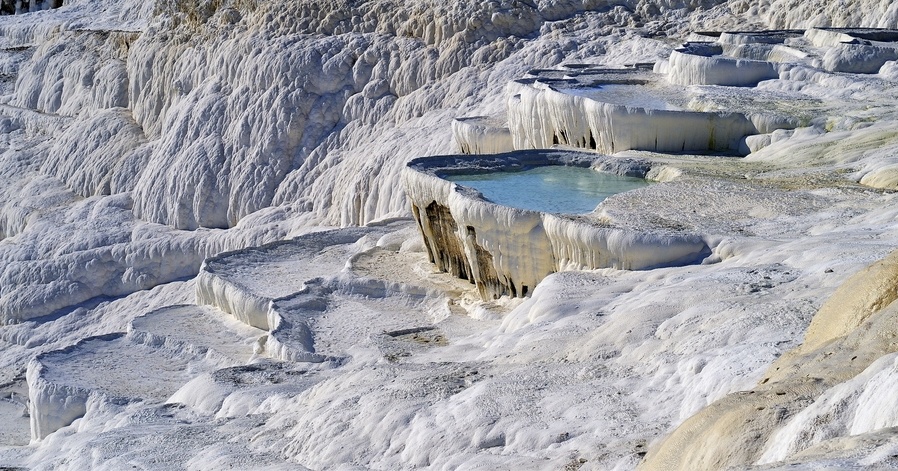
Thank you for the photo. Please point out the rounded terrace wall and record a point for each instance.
(481, 135)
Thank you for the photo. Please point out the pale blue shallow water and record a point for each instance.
(551, 189)
(639, 96)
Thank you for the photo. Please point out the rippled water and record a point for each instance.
(551, 189)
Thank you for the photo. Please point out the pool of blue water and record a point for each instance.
(639, 96)
(550, 189)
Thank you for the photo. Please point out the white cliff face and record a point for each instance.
(67, 76)
(252, 118)
(139, 140)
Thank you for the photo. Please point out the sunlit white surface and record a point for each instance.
(638, 96)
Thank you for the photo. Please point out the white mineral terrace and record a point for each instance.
(616, 109)
(162, 350)
(747, 58)
(545, 111)
(225, 243)
(243, 283)
(62, 383)
(508, 251)
(482, 135)
(303, 291)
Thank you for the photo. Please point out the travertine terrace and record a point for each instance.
(225, 241)
(508, 251)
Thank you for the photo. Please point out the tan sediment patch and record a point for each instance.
(856, 326)
(862, 295)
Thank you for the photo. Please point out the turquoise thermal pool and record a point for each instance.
(638, 96)
(549, 189)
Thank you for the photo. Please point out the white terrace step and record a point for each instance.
(200, 330)
(323, 324)
(14, 426)
(410, 272)
(244, 282)
(162, 351)
(322, 294)
(389, 299)
(108, 367)
(14, 423)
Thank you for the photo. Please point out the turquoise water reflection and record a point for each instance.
(551, 189)
(638, 96)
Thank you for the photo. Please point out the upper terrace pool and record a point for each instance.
(556, 189)
(637, 95)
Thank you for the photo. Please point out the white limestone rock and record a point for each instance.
(694, 69)
(481, 135)
(859, 58)
(537, 116)
(289, 115)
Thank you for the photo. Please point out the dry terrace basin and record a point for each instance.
(506, 250)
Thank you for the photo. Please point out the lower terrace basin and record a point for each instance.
(506, 250)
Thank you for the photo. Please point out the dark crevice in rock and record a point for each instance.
(447, 251)
(489, 283)
(418, 219)
(445, 248)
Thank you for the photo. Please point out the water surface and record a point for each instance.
(550, 189)
(639, 96)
